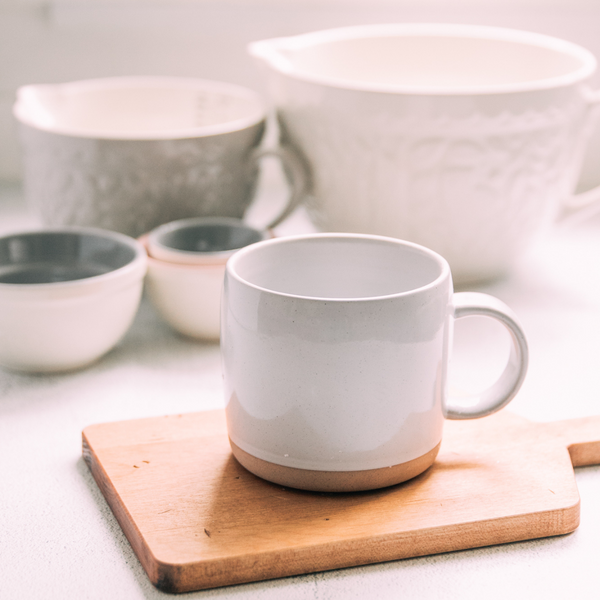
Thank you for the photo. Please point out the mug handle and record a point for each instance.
(580, 206)
(296, 174)
(506, 387)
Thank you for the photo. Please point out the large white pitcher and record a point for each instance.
(465, 139)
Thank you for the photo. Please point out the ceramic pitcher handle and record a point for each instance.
(296, 174)
(586, 204)
(508, 384)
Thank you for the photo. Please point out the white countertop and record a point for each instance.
(59, 539)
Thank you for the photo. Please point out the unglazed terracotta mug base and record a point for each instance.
(334, 481)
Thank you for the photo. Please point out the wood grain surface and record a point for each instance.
(196, 519)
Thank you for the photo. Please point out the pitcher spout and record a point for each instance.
(275, 53)
(37, 105)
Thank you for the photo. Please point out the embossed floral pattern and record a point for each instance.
(476, 188)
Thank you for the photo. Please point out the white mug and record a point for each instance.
(335, 354)
(465, 139)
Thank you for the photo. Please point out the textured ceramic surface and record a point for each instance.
(335, 351)
(471, 153)
(66, 296)
(134, 186)
(129, 154)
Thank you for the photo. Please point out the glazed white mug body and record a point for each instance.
(465, 139)
(335, 352)
(131, 153)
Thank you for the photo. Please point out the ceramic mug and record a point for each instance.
(335, 354)
(186, 265)
(466, 139)
(131, 153)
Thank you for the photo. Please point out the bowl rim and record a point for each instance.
(26, 96)
(276, 52)
(133, 270)
(158, 250)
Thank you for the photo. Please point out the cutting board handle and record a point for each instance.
(582, 438)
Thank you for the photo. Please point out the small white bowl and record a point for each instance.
(67, 296)
(186, 268)
(187, 296)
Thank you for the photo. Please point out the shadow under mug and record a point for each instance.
(130, 153)
(335, 354)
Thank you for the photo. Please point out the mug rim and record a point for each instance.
(445, 272)
(26, 94)
(264, 50)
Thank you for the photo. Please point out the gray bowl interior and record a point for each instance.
(210, 237)
(50, 257)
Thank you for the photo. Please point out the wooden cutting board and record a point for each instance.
(196, 519)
